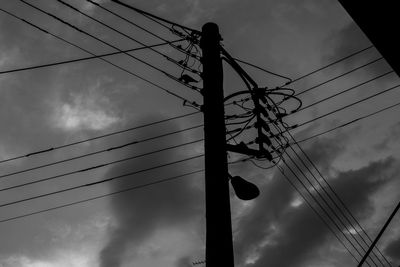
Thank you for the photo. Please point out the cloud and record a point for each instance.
(275, 228)
(141, 213)
(393, 250)
(390, 139)
(88, 110)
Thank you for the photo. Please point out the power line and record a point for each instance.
(339, 76)
(147, 14)
(335, 195)
(103, 42)
(107, 195)
(329, 196)
(135, 24)
(121, 33)
(99, 151)
(100, 165)
(331, 64)
(100, 181)
(346, 90)
(194, 104)
(103, 196)
(85, 58)
(320, 195)
(350, 122)
(96, 137)
(262, 69)
(320, 206)
(347, 106)
(317, 213)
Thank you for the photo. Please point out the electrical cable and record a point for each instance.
(336, 196)
(262, 69)
(102, 196)
(349, 105)
(99, 182)
(321, 207)
(108, 194)
(317, 213)
(350, 122)
(339, 76)
(99, 151)
(100, 40)
(134, 24)
(345, 91)
(85, 58)
(95, 138)
(147, 14)
(331, 64)
(119, 32)
(320, 194)
(99, 166)
(194, 104)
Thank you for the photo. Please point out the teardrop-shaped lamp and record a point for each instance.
(244, 189)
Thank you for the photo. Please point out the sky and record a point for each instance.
(164, 224)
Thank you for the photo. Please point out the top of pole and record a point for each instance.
(210, 34)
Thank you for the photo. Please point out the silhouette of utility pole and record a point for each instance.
(219, 245)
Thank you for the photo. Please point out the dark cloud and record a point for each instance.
(393, 250)
(274, 228)
(140, 213)
(390, 139)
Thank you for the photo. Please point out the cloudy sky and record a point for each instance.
(164, 224)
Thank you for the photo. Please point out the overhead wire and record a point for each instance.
(109, 194)
(322, 208)
(99, 165)
(100, 181)
(349, 105)
(119, 32)
(105, 60)
(102, 41)
(321, 196)
(154, 17)
(336, 196)
(99, 151)
(350, 122)
(53, 148)
(339, 76)
(317, 213)
(332, 63)
(102, 196)
(99, 5)
(345, 91)
(84, 58)
(334, 201)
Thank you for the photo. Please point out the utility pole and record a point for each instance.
(219, 245)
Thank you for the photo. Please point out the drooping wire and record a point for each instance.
(346, 90)
(193, 104)
(100, 165)
(349, 122)
(332, 63)
(46, 150)
(105, 43)
(317, 213)
(335, 195)
(110, 194)
(100, 181)
(319, 204)
(123, 34)
(99, 151)
(349, 105)
(340, 75)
